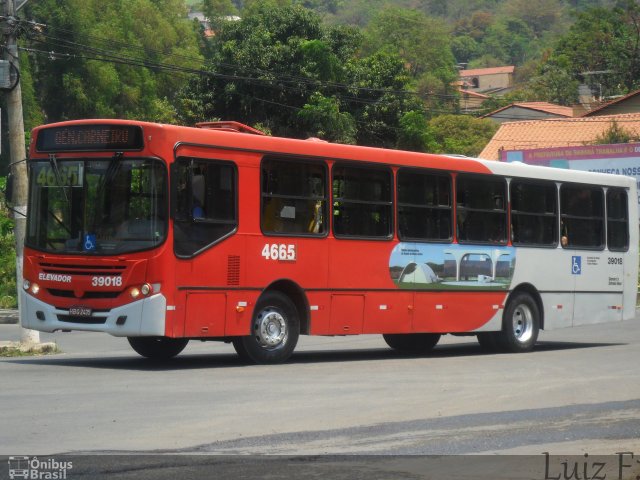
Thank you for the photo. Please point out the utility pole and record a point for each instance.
(18, 153)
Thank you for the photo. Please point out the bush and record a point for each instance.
(8, 290)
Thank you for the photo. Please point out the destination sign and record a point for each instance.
(66, 174)
(90, 138)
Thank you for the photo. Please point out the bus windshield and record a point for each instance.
(96, 206)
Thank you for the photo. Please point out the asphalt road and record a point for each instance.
(577, 393)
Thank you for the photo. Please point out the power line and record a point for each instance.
(131, 61)
(65, 43)
(292, 82)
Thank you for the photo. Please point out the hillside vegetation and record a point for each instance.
(374, 72)
(368, 72)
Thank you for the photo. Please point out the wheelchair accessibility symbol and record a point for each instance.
(576, 265)
(89, 242)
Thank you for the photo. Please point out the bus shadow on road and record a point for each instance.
(471, 349)
(216, 360)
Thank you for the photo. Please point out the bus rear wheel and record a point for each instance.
(275, 329)
(412, 343)
(158, 348)
(520, 324)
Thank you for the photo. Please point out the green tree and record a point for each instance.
(555, 84)
(322, 118)
(464, 48)
(381, 95)
(615, 134)
(601, 40)
(539, 15)
(218, 8)
(278, 61)
(509, 39)
(474, 25)
(421, 41)
(8, 291)
(101, 40)
(217, 11)
(323, 6)
(424, 45)
(415, 134)
(264, 68)
(460, 134)
(32, 113)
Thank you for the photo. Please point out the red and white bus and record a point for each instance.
(163, 234)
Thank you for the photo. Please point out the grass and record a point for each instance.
(17, 350)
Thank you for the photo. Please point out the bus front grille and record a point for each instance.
(86, 295)
(85, 320)
(63, 269)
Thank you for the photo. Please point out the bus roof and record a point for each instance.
(183, 136)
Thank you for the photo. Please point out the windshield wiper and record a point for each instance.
(59, 222)
(54, 166)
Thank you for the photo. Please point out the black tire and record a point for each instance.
(412, 343)
(275, 329)
(488, 341)
(158, 348)
(520, 324)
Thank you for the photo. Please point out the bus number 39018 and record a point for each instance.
(279, 251)
(106, 281)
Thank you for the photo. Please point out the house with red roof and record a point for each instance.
(529, 111)
(488, 80)
(629, 103)
(555, 132)
(471, 101)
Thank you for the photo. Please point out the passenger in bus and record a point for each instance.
(315, 225)
(197, 210)
(197, 187)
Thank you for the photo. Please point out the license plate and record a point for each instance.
(80, 311)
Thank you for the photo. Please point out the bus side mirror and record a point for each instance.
(8, 191)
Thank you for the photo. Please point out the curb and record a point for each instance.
(8, 317)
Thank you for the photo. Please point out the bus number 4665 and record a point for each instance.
(279, 251)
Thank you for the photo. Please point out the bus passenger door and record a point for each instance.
(204, 212)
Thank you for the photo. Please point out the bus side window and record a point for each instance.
(481, 213)
(424, 205)
(534, 216)
(617, 220)
(582, 216)
(294, 197)
(362, 201)
(205, 211)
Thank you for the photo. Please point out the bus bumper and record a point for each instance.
(142, 318)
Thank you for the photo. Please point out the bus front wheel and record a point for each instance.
(412, 343)
(275, 329)
(158, 348)
(520, 324)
